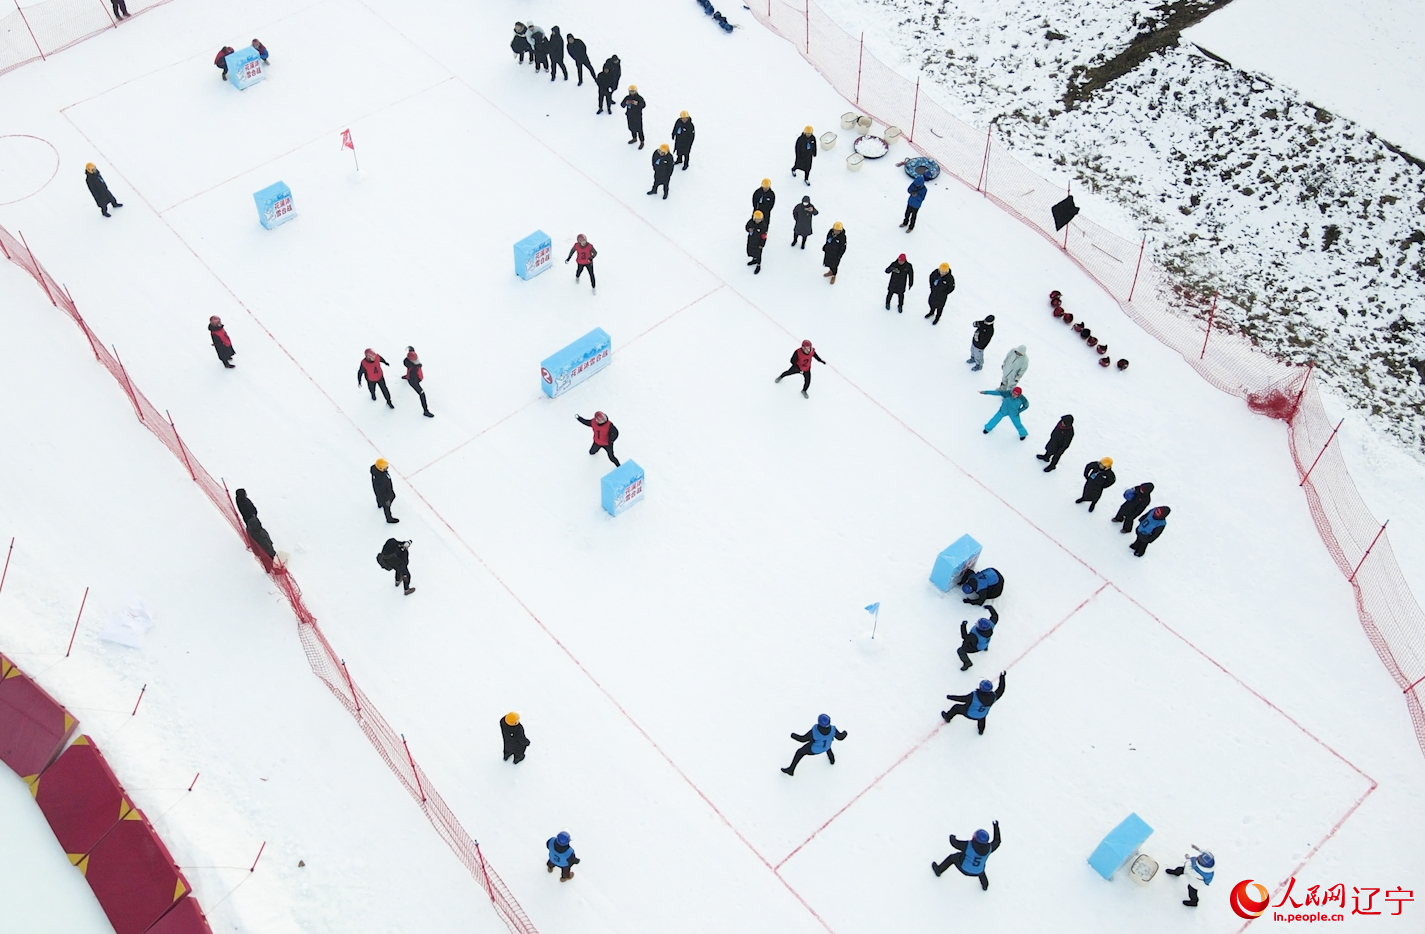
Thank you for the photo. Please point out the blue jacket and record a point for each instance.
(1009, 404)
(986, 579)
(1150, 527)
(563, 858)
(917, 192)
(820, 742)
(1204, 874)
(979, 702)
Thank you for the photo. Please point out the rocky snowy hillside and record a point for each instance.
(1310, 226)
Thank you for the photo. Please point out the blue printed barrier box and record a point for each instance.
(1121, 843)
(533, 255)
(571, 366)
(244, 68)
(622, 487)
(954, 561)
(274, 205)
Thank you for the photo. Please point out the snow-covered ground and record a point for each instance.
(1221, 687)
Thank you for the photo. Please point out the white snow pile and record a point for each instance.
(1308, 224)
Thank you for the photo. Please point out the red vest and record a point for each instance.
(222, 335)
(582, 253)
(601, 432)
(372, 368)
(804, 358)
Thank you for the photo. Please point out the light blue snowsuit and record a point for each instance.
(1009, 407)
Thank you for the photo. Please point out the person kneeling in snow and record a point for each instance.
(977, 639)
(971, 856)
(983, 586)
(818, 740)
(975, 705)
(1202, 867)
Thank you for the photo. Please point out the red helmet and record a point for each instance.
(1016, 392)
(371, 354)
(901, 258)
(806, 345)
(600, 417)
(214, 319)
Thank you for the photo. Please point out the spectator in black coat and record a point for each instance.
(520, 43)
(1098, 476)
(832, 250)
(756, 228)
(396, 556)
(556, 53)
(383, 488)
(633, 106)
(540, 41)
(615, 68)
(607, 83)
(683, 133)
(512, 732)
(942, 283)
(984, 333)
(1136, 501)
(662, 170)
(102, 196)
(802, 214)
(256, 534)
(579, 55)
(1058, 443)
(805, 152)
(902, 277)
(764, 199)
(221, 342)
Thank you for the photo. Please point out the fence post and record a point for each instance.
(38, 273)
(83, 325)
(1068, 191)
(351, 686)
(1141, 247)
(985, 163)
(127, 385)
(915, 109)
(6, 250)
(414, 772)
(7, 562)
(1305, 382)
(26, 21)
(860, 57)
(1307, 475)
(1211, 314)
(75, 631)
(1352, 578)
(806, 15)
(182, 448)
(105, 8)
(485, 875)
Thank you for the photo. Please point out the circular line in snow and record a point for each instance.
(22, 164)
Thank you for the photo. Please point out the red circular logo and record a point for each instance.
(1249, 906)
(544, 374)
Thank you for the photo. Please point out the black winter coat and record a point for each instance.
(381, 485)
(556, 45)
(984, 330)
(98, 188)
(578, 52)
(615, 69)
(662, 165)
(633, 106)
(515, 740)
(1061, 436)
(805, 151)
(763, 199)
(756, 234)
(245, 507)
(941, 285)
(835, 247)
(683, 133)
(397, 555)
(1136, 502)
(902, 276)
(1097, 476)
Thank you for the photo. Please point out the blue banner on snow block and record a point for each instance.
(622, 487)
(575, 363)
(274, 205)
(533, 255)
(954, 561)
(245, 67)
(1121, 843)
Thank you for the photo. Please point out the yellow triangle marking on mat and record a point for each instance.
(80, 861)
(128, 811)
(68, 721)
(82, 741)
(34, 782)
(179, 890)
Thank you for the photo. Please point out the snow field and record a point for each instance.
(665, 656)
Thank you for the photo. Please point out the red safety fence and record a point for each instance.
(325, 662)
(1162, 306)
(33, 33)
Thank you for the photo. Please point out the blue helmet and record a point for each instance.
(968, 588)
(982, 836)
(563, 838)
(1205, 860)
(823, 720)
(984, 625)
(986, 686)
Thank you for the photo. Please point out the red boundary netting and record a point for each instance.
(33, 33)
(1158, 303)
(325, 662)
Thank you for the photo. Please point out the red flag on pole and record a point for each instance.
(346, 142)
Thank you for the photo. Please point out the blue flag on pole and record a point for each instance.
(874, 608)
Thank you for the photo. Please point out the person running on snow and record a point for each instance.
(221, 60)
(817, 740)
(902, 277)
(221, 342)
(1016, 364)
(802, 213)
(683, 134)
(99, 189)
(579, 55)
(984, 585)
(512, 732)
(396, 556)
(977, 639)
(1203, 867)
(1012, 403)
(984, 332)
(662, 170)
(414, 374)
(561, 854)
(1058, 443)
(801, 363)
(917, 192)
(975, 705)
(832, 250)
(1149, 528)
(971, 855)
(942, 283)
(370, 368)
(605, 434)
(256, 534)
(583, 253)
(1098, 476)
(764, 199)
(1136, 500)
(805, 152)
(556, 53)
(633, 105)
(382, 486)
(756, 229)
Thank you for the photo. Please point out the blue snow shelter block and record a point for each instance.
(245, 68)
(622, 487)
(954, 561)
(533, 255)
(274, 205)
(1121, 843)
(575, 363)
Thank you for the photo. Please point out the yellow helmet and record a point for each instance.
(1106, 461)
(663, 147)
(89, 167)
(836, 226)
(756, 215)
(766, 183)
(382, 463)
(683, 113)
(632, 88)
(511, 718)
(806, 130)
(944, 268)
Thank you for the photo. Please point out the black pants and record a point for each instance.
(579, 66)
(608, 449)
(565, 872)
(416, 385)
(806, 751)
(833, 265)
(900, 299)
(606, 100)
(754, 253)
(909, 221)
(963, 710)
(540, 61)
(557, 63)
(1053, 459)
(965, 651)
(1127, 514)
(659, 183)
(957, 859)
(804, 169)
(936, 311)
(403, 576)
(386, 508)
(1090, 495)
(580, 267)
(121, 9)
(1140, 545)
(635, 131)
(806, 376)
(384, 391)
(683, 156)
(802, 238)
